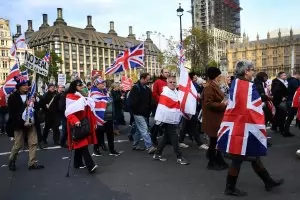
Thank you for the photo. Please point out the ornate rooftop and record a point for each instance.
(60, 31)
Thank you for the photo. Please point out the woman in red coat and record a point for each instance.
(77, 108)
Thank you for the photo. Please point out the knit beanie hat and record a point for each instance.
(213, 72)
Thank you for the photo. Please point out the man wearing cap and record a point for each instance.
(50, 104)
(23, 123)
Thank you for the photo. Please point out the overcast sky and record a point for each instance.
(257, 16)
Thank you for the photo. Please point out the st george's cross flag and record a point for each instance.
(100, 97)
(168, 108)
(187, 90)
(19, 42)
(130, 58)
(243, 130)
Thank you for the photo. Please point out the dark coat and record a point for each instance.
(279, 91)
(212, 108)
(52, 114)
(292, 87)
(16, 107)
(140, 98)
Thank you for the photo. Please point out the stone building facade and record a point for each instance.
(271, 55)
(6, 60)
(85, 49)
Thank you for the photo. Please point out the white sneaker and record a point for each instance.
(203, 146)
(182, 145)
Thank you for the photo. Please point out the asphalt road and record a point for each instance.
(134, 175)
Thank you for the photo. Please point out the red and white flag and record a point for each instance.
(168, 108)
(20, 43)
(126, 83)
(187, 90)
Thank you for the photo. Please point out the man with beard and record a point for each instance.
(50, 104)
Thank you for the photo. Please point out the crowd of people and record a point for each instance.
(86, 112)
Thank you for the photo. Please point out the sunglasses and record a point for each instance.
(80, 85)
(172, 82)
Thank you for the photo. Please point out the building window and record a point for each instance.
(286, 60)
(2, 42)
(3, 53)
(264, 62)
(274, 61)
(1, 26)
(4, 64)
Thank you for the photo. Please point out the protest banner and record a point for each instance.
(62, 79)
(126, 83)
(36, 64)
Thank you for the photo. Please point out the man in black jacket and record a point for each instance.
(140, 99)
(18, 103)
(293, 84)
(50, 105)
(280, 93)
(61, 108)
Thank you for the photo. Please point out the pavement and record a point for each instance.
(135, 176)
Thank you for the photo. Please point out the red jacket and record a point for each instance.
(2, 98)
(158, 88)
(296, 99)
(72, 119)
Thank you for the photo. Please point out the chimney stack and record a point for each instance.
(148, 33)
(45, 22)
(60, 20)
(59, 13)
(112, 28)
(30, 29)
(89, 25)
(131, 35)
(19, 31)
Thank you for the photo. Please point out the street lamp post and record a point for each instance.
(179, 14)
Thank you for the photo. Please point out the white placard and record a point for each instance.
(36, 64)
(62, 79)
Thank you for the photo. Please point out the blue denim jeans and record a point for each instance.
(141, 131)
(133, 130)
(63, 138)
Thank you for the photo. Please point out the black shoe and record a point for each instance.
(115, 153)
(235, 192)
(231, 190)
(182, 161)
(80, 166)
(104, 147)
(287, 134)
(93, 169)
(138, 148)
(97, 153)
(269, 182)
(273, 183)
(214, 166)
(130, 138)
(36, 166)
(159, 157)
(12, 165)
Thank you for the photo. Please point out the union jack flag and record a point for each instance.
(47, 57)
(10, 83)
(130, 58)
(100, 98)
(243, 130)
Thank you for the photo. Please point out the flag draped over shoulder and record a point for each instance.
(75, 103)
(168, 108)
(100, 97)
(243, 130)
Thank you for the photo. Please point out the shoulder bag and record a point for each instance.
(82, 131)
